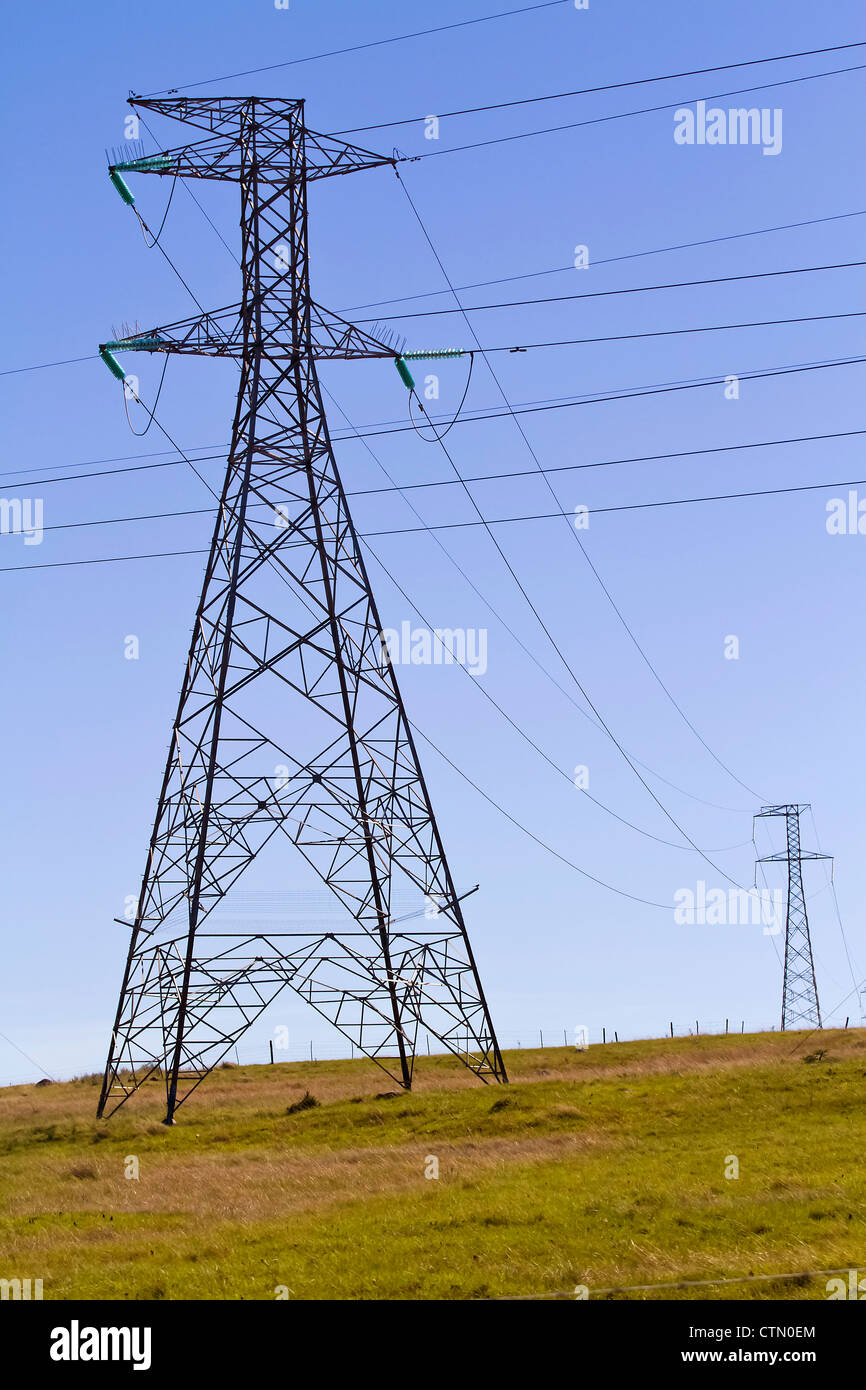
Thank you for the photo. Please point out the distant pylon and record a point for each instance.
(290, 724)
(800, 1007)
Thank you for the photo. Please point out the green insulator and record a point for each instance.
(405, 375)
(122, 187)
(112, 364)
(422, 354)
(146, 343)
(148, 164)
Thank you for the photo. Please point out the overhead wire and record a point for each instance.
(449, 525)
(545, 628)
(623, 115)
(518, 728)
(607, 260)
(445, 482)
(482, 284)
(611, 294)
(572, 531)
(558, 649)
(630, 394)
(403, 490)
(832, 886)
(607, 87)
(360, 47)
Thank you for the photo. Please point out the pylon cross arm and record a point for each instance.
(220, 333)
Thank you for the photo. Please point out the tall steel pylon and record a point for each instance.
(800, 1007)
(287, 636)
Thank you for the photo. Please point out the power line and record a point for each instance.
(461, 571)
(608, 87)
(673, 332)
(518, 728)
(634, 289)
(471, 478)
(43, 366)
(622, 507)
(450, 525)
(359, 47)
(30, 1059)
(621, 892)
(572, 673)
(457, 525)
(611, 463)
(495, 611)
(625, 115)
(631, 395)
(593, 569)
(502, 280)
(566, 342)
(608, 260)
(831, 884)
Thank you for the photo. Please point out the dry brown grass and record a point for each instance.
(604, 1165)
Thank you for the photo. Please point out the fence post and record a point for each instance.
(672, 1029)
(726, 1025)
(271, 1046)
(603, 1036)
(541, 1037)
(615, 1035)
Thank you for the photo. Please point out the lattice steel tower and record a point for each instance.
(800, 1005)
(287, 636)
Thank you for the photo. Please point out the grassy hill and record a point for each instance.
(604, 1168)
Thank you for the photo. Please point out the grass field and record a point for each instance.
(603, 1168)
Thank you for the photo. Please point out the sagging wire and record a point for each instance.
(438, 437)
(129, 391)
(145, 229)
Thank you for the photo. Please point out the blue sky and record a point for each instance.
(86, 729)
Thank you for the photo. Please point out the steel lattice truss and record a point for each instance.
(286, 621)
(800, 1007)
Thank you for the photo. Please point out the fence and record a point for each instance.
(336, 1048)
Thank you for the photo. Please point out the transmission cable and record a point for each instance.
(608, 294)
(359, 47)
(490, 606)
(606, 260)
(622, 115)
(608, 87)
(518, 728)
(437, 482)
(573, 532)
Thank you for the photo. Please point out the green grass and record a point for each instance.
(604, 1168)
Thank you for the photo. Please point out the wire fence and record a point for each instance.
(284, 1047)
(532, 1038)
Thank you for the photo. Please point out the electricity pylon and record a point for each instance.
(286, 637)
(800, 1005)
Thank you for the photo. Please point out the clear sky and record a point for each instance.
(86, 729)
